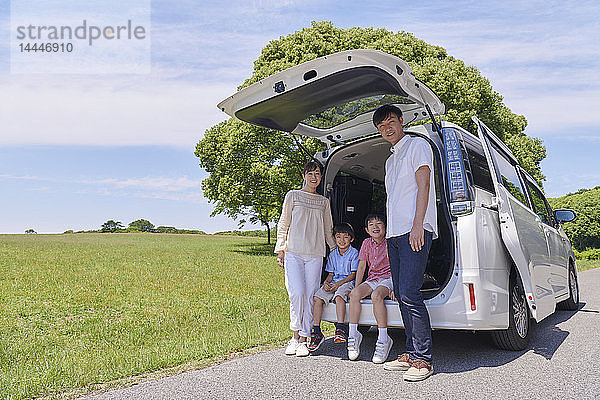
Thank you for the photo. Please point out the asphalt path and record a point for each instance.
(562, 362)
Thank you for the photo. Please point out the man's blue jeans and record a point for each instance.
(408, 268)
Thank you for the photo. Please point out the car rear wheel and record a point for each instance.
(572, 303)
(516, 337)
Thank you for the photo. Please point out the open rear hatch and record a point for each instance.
(333, 97)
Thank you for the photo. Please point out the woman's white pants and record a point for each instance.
(302, 280)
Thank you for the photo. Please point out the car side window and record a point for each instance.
(538, 203)
(480, 171)
(508, 175)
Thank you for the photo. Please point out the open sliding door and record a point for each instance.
(521, 228)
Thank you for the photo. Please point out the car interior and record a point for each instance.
(354, 182)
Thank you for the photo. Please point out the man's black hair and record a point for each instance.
(312, 165)
(384, 111)
(376, 216)
(344, 227)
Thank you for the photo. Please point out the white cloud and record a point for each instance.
(164, 188)
(543, 59)
(152, 183)
(168, 113)
(563, 112)
(560, 185)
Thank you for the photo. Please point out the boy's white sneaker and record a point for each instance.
(382, 350)
(302, 350)
(291, 347)
(354, 346)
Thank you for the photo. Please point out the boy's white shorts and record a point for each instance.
(343, 291)
(386, 282)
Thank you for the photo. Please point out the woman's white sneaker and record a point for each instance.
(291, 347)
(302, 350)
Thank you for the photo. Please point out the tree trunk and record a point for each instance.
(268, 233)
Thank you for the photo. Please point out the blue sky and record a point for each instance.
(79, 149)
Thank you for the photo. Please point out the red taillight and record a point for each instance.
(472, 296)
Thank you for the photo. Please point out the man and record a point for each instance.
(412, 225)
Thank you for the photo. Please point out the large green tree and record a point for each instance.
(142, 224)
(584, 232)
(111, 226)
(252, 168)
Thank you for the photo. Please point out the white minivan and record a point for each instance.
(501, 258)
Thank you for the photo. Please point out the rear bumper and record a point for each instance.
(451, 308)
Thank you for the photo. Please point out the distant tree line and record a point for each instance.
(138, 226)
(255, 233)
(584, 232)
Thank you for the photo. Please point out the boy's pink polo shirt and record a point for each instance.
(376, 257)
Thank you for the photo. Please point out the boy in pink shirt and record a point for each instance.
(378, 285)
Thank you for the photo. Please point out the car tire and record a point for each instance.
(516, 337)
(572, 303)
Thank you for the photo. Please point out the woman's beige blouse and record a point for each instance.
(305, 224)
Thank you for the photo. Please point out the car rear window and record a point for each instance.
(346, 111)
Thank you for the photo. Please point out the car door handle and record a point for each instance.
(493, 207)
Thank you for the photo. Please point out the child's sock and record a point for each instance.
(353, 330)
(340, 325)
(317, 329)
(383, 335)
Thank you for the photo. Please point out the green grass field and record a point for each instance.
(77, 310)
(81, 310)
(582, 265)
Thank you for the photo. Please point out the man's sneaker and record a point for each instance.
(354, 346)
(302, 350)
(382, 350)
(403, 363)
(291, 347)
(315, 341)
(340, 336)
(419, 370)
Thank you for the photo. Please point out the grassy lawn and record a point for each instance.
(76, 310)
(80, 310)
(582, 265)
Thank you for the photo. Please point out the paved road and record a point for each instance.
(562, 362)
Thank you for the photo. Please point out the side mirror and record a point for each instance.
(564, 215)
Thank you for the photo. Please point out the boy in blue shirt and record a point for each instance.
(342, 264)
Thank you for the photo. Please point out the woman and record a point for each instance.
(304, 227)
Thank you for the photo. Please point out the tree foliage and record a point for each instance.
(584, 232)
(111, 226)
(142, 225)
(251, 168)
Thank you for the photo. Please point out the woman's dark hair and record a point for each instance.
(376, 216)
(311, 166)
(344, 227)
(384, 111)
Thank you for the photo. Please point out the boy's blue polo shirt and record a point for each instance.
(342, 266)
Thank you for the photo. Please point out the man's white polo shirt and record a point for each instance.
(408, 155)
